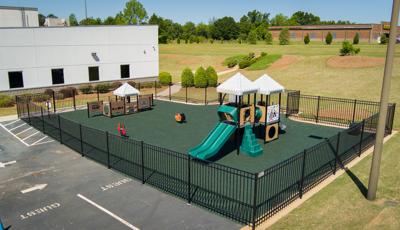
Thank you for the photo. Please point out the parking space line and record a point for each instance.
(11, 122)
(24, 131)
(41, 139)
(12, 134)
(30, 136)
(126, 223)
(41, 143)
(17, 126)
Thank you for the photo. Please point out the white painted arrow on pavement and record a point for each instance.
(3, 165)
(36, 187)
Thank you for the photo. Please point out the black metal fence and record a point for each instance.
(246, 197)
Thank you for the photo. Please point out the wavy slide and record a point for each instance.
(213, 142)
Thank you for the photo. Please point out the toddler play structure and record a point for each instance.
(243, 119)
(122, 105)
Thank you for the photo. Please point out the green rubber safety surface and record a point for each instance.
(158, 127)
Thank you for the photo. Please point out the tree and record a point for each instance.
(187, 78)
(72, 20)
(188, 30)
(305, 18)
(268, 38)
(134, 12)
(90, 21)
(307, 39)
(42, 19)
(200, 78)
(109, 21)
(384, 39)
(284, 37)
(245, 25)
(51, 16)
(212, 76)
(165, 78)
(202, 30)
(252, 38)
(282, 20)
(261, 30)
(257, 18)
(224, 28)
(328, 38)
(348, 49)
(356, 39)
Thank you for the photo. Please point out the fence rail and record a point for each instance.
(246, 197)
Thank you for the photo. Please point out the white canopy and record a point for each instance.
(266, 85)
(237, 85)
(126, 90)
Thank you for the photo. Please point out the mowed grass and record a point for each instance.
(264, 62)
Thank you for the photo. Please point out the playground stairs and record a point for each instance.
(250, 145)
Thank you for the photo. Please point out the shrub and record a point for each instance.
(263, 54)
(200, 78)
(328, 38)
(6, 101)
(356, 39)
(307, 39)
(103, 88)
(187, 78)
(86, 89)
(44, 97)
(245, 63)
(165, 78)
(132, 83)
(251, 55)
(212, 41)
(252, 38)
(178, 41)
(163, 39)
(148, 84)
(384, 39)
(234, 60)
(284, 37)
(348, 49)
(268, 38)
(212, 76)
(49, 92)
(116, 85)
(67, 92)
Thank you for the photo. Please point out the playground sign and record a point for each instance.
(272, 114)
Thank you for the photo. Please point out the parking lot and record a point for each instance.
(45, 185)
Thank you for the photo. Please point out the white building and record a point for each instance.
(56, 56)
(18, 16)
(55, 22)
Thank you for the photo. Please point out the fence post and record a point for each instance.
(205, 95)
(59, 128)
(361, 137)
(189, 181)
(354, 110)
(54, 102)
(98, 95)
(336, 154)
(302, 174)
(255, 201)
(17, 103)
(142, 158)
(108, 151)
(41, 113)
(80, 135)
(29, 115)
(317, 118)
(169, 90)
(73, 97)
(186, 94)
(155, 89)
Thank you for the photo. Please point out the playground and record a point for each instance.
(158, 127)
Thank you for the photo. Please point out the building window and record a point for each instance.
(15, 79)
(313, 35)
(57, 76)
(94, 73)
(125, 71)
(293, 35)
(334, 35)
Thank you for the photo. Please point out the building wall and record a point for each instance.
(18, 17)
(35, 51)
(319, 35)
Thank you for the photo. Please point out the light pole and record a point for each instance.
(85, 10)
(380, 132)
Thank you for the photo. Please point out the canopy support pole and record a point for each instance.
(267, 98)
(238, 126)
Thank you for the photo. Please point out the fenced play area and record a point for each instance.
(321, 136)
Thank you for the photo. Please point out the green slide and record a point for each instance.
(213, 142)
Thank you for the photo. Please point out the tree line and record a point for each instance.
(251, 26)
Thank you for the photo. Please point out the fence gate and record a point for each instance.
(293, 102)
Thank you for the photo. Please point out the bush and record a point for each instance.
(263, 54)
(284, 37)
(252, 38)
(178, 41)
(268, 38)
(86, 89)
(6, 101)
(116, 85)
(200, 78)
(165, 78)
(348, 49)
(67, 92)
(44, 97)
(103, 88)
(187, 78)
(234, 60)
(132, 83)
(212, 41)
(251, 55)
(148, 85)
(49, 92)
(245, 63)
(307, 39)
(356, 39)
(384, 39)
(212, 76)
(163, 39)
(328, 38)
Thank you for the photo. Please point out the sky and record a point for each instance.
(359, 11)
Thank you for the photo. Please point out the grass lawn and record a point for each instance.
(264, 62)
(8, 111)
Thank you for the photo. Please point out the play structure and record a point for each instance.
(122, 105)
(243, 120)
(180, 117)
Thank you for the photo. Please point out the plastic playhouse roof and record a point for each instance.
(237, 85)
(266, 85)
(126, 90)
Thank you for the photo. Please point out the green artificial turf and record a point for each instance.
(158, 127)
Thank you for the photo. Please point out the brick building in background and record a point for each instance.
(368, 32)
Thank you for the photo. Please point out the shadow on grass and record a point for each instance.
(357, 182)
